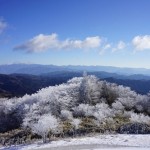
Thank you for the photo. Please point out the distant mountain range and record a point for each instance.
(19, 79)
(16, 85)
(37, 69)
(20, 84)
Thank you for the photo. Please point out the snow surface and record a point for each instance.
(98, 142)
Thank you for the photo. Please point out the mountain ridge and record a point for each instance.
(37, 69)
(16, 85)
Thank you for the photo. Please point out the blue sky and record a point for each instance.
(75, 32)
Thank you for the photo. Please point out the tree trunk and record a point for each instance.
(44, 138)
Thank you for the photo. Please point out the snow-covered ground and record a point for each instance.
(98, 142)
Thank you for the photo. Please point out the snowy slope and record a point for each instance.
(97, 142)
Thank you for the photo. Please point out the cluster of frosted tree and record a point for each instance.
(51, 109)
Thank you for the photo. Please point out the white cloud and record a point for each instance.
(141, 42)
(3, 26)
(102, 51)
(120, 46)
(43, 42)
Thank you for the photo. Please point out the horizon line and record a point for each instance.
(123, 67)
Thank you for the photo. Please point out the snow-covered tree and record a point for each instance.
(79, 98)
(140, 118)
(66, 115)
(44, 125)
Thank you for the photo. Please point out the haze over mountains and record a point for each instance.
(37, 69)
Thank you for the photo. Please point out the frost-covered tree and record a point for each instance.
(89, 90)
(140, 118)
(109, 92)
(44, 125)
(83, 110)
(84, 96)
(79, 98)
(76, 122)
(66, 115)
(102, 112)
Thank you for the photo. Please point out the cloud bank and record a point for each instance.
(141, 43)
(43, 42)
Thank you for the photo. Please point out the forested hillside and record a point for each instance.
(82, 105)
(17, 85)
